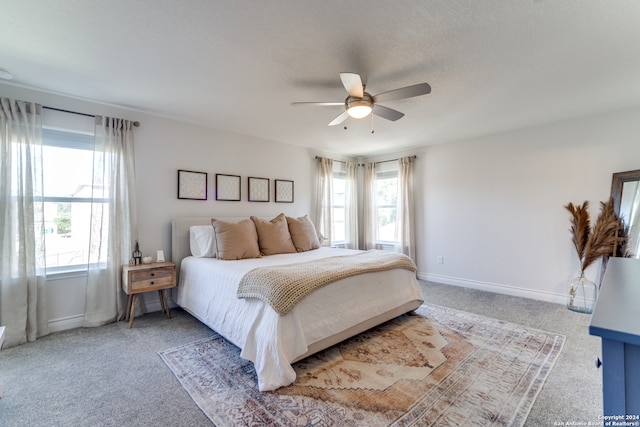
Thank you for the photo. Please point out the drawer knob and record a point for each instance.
(152, 283)
(598, 362)
(153, 274)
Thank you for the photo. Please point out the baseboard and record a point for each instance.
(154, 306)
(71, 322)
(493, 287)
(64, 323)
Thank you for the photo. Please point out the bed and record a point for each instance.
(208, 290)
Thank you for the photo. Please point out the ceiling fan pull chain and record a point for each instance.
(372, 130)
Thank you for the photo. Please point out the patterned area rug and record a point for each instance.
(436, 366)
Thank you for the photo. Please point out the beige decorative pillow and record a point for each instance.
(236, 240)
(303, 233)
(273, 236)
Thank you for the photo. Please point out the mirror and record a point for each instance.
(625, 190)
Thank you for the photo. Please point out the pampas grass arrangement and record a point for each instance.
(608, 237)
(580, 227)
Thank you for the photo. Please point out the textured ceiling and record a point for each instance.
(237, 65)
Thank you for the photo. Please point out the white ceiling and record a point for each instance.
(493, 65)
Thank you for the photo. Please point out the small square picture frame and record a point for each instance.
(192, 185)
(258, 189)
(227, 187)
(283, 191)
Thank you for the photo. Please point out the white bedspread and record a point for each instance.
(207, 290)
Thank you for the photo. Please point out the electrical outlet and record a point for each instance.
(440, 259)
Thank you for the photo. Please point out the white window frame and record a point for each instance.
(338, 174)
(385, 173)
(75, 140)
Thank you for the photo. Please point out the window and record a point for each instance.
(386, 206)
(337, 206)
(67, 159)
(339, 212)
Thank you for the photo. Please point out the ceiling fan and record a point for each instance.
(359, 104)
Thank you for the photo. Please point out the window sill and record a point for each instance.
(65, 273)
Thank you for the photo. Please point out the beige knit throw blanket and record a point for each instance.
(283, 286)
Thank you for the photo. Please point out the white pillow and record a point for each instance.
(202, 241)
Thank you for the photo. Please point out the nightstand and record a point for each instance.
(137, 279)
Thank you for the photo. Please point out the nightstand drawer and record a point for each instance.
(156, 273)
(145, 279)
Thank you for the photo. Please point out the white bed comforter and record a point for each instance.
(207, 290)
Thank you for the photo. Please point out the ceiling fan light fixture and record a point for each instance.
(359, 108)
(359, 111)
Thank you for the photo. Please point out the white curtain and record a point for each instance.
(369, 217)
(22, 260)
(351, 205)
(113, 220)
(406, 222)
(324, 179)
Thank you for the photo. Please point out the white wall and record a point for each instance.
(493, 206)
(162, 147)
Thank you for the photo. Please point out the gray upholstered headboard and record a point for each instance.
(180, 246)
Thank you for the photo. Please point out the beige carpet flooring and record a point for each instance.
(113, 376)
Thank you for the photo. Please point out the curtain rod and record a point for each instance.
(395, 160)
(136, 124)
(339, 161)
(362, 164)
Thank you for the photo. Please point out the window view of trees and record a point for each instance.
(63, 220)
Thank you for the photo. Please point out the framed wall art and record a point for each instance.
(258, 189)
(228, 187)
(284, 191)
(192, 185)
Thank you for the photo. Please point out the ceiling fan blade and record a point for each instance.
(387, 113)
(341, 118)
(324, 104)
(404, 92)
(353, 84)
